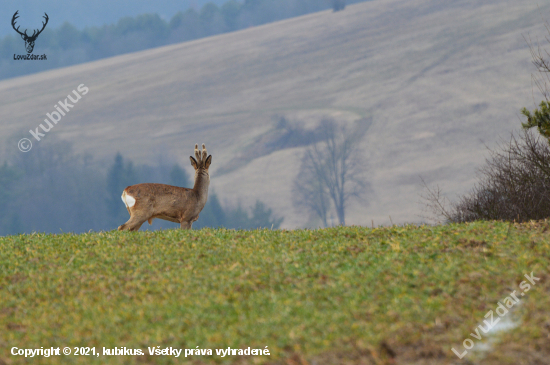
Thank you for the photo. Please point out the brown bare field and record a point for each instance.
(440, 80)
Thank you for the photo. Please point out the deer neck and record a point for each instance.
(202, 180)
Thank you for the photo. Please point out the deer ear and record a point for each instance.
(193, 162)
(208, 162)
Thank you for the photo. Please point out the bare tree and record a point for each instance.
(310, 194)
(514, 184)
(332, 171)
(539, 118)
(539, 58)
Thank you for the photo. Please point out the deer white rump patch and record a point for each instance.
(128, 200)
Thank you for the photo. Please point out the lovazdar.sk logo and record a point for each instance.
(29, 39)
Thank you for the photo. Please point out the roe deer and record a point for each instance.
(146, 202)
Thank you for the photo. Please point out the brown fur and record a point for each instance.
(172, 203)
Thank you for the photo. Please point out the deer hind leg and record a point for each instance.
(133, 224)
(137, 218)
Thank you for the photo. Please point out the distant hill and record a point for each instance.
(439, 80)
(90, 13)
(133, 31)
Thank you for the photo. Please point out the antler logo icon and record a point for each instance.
(29, 40)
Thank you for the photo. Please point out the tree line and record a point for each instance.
(55, 190)
(66, 45)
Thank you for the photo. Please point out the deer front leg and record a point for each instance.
(186, 225)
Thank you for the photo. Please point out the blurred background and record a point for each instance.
(378, 93)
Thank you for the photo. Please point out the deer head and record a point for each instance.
(29, 40)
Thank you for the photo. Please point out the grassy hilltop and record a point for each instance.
(395, 295)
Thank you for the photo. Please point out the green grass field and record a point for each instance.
(395, 295)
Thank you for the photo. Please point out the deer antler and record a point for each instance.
(200, 155)
(197, 153)
(43, 25)
(15, 16)
(34, 34)
(204, 153)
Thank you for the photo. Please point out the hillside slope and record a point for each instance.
(439, 79)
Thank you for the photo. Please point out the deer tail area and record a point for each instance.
(128, 200)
